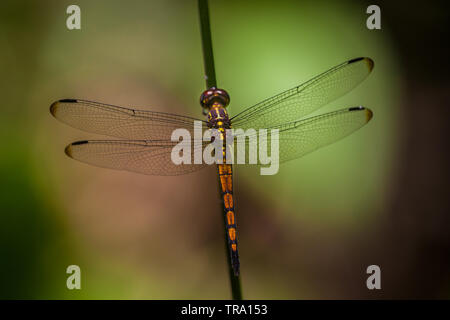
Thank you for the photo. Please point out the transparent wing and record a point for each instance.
(155, 157)
(301, 137)
(299, 101)
(147, 157)
(120, 122)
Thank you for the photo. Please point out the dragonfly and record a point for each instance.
(145, 137)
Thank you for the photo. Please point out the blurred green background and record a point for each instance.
(308, 232)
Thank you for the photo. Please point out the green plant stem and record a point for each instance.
(208, 57)
(210, 77)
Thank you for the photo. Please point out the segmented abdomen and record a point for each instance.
(226, 185)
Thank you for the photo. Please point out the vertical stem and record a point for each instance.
(208, 58)
(210, 77)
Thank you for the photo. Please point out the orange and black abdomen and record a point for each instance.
(226, 186)
(218, 119)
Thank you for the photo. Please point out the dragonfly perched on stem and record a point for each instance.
(148, 145)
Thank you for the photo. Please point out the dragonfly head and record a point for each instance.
(214, 96)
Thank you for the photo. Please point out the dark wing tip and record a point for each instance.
(369, 113)
(68, 100)
(79, 142)
(68, 149)
(54, 105)
(368, 61)
(355, 60)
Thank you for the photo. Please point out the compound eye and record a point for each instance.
(224, 97)
(212, 95)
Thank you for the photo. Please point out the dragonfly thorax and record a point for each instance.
(218, 117)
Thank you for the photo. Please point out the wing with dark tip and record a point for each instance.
(147, 157)
(299, 101)
(298, 138)
(120, 122)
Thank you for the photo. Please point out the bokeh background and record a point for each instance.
(380, 196)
